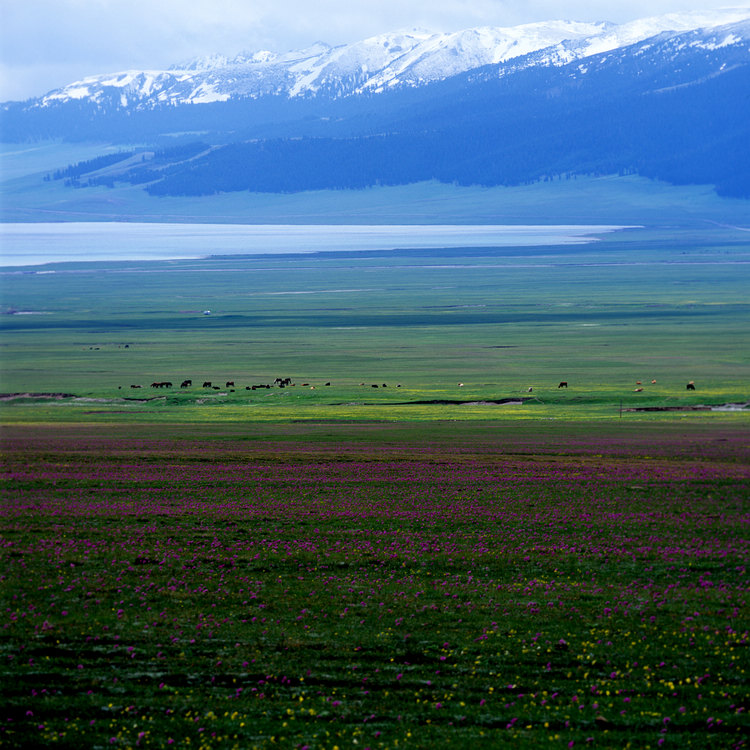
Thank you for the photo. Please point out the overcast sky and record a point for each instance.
(45, 44)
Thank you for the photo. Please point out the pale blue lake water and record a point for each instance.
(37, 244)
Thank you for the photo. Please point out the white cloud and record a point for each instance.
(46, 43)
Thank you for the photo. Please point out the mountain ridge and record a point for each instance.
(375, 64)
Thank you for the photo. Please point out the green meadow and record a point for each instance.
(443, 334)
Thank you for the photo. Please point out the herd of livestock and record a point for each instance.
(286, 382)
(278, 382)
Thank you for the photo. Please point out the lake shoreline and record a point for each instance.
(36, 244)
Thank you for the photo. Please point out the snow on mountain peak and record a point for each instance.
(401, 58)
(644, 28)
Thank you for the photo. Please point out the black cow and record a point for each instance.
(207, 384)
(690, 386)
(186, 384)
(228, 383)
(563, 384)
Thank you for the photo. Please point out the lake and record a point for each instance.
(36, 244)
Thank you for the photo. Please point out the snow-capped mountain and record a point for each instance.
(381, 63)
(663, 97)
(400, 58)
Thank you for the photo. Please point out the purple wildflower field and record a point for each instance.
(378, 589)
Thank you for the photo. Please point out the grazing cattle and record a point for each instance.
(563, 384)
(216, 387)
(460, 385)
(135, 386)
(530, 389)
(638, 390)
(374, 386)
(653, 382)
(186, 384)
(207, 384)
(328, 384)
(690, 386)
(384, 385)
(638, 382)
(229, 383)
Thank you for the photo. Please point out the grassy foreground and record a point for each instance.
(457, 329)
(501, 584)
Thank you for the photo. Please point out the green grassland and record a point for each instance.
(631, 307)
